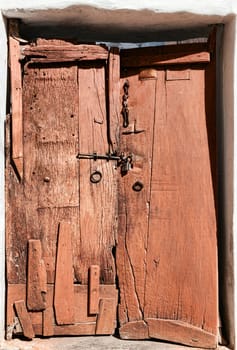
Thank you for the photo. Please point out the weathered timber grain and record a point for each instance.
(16, 100)
(114, 98)
(182, 214)
(41, 321)
(51, 143)
(97, 201)
(94, 289)
(64, 52)
(24, 318)
(36, 277)
(134, 206)
(181, 332)
(134, 330)
(180, 241)
(64, 290)
(166, 55)
(48, 322)
(105, 323)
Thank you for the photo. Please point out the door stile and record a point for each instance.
(134, 202)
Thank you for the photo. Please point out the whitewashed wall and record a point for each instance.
(156, 16)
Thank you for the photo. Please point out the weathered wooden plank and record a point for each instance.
(182, 215)
(114, 98)
(51, 131)
(94, 285)
(97, 201)
(105, 323)
(24, 318)
(133, 205)
(18, 291)
(168, 59)
(134, 330)
(181, 332)
(64, 52)
(17, 224)
(48, 322)
(44, 321)
(36, 277)
(76, 329)
(16, 99)
(166, 55)
(64, 290)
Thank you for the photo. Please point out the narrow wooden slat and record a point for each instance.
(114, 98)
(64, 291)
(94, 285)
(48, 321)
(16, 99)
(36, 277)
(77, 329)
(24, 318)
(107, 314)
(64, 53)
(134, 330)
(181, 332)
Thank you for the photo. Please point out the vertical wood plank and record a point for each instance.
(51, 171)
(16, 99)
(134, 206)
(97, 201)
(24, 318)
(114, 98)
(183, 218)
(64, 292)
(48, 319)
(94, 289)
(107, 314)
(36, 277)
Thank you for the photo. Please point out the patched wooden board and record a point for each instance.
(82, 319)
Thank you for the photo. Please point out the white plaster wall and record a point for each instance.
(219, 7)
(160, 15)
(3, 79)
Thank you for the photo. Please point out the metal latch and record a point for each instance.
(123, 161)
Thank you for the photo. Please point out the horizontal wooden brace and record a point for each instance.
(165, 55)
(64, 53)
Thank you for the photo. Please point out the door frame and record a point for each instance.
(226, 74)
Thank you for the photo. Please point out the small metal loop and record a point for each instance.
(125, 110)
(96, 177)
(137, 186)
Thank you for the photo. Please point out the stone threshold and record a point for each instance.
(92, 343)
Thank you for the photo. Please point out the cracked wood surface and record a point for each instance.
(167, 250)
(16, 98)
(165, 256)
(65, 112)
(134, 206)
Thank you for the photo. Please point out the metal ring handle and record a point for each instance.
(96, 177)
(137, 186)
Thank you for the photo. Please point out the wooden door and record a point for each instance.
(167, 250)
(61, 225)
(81, 232)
